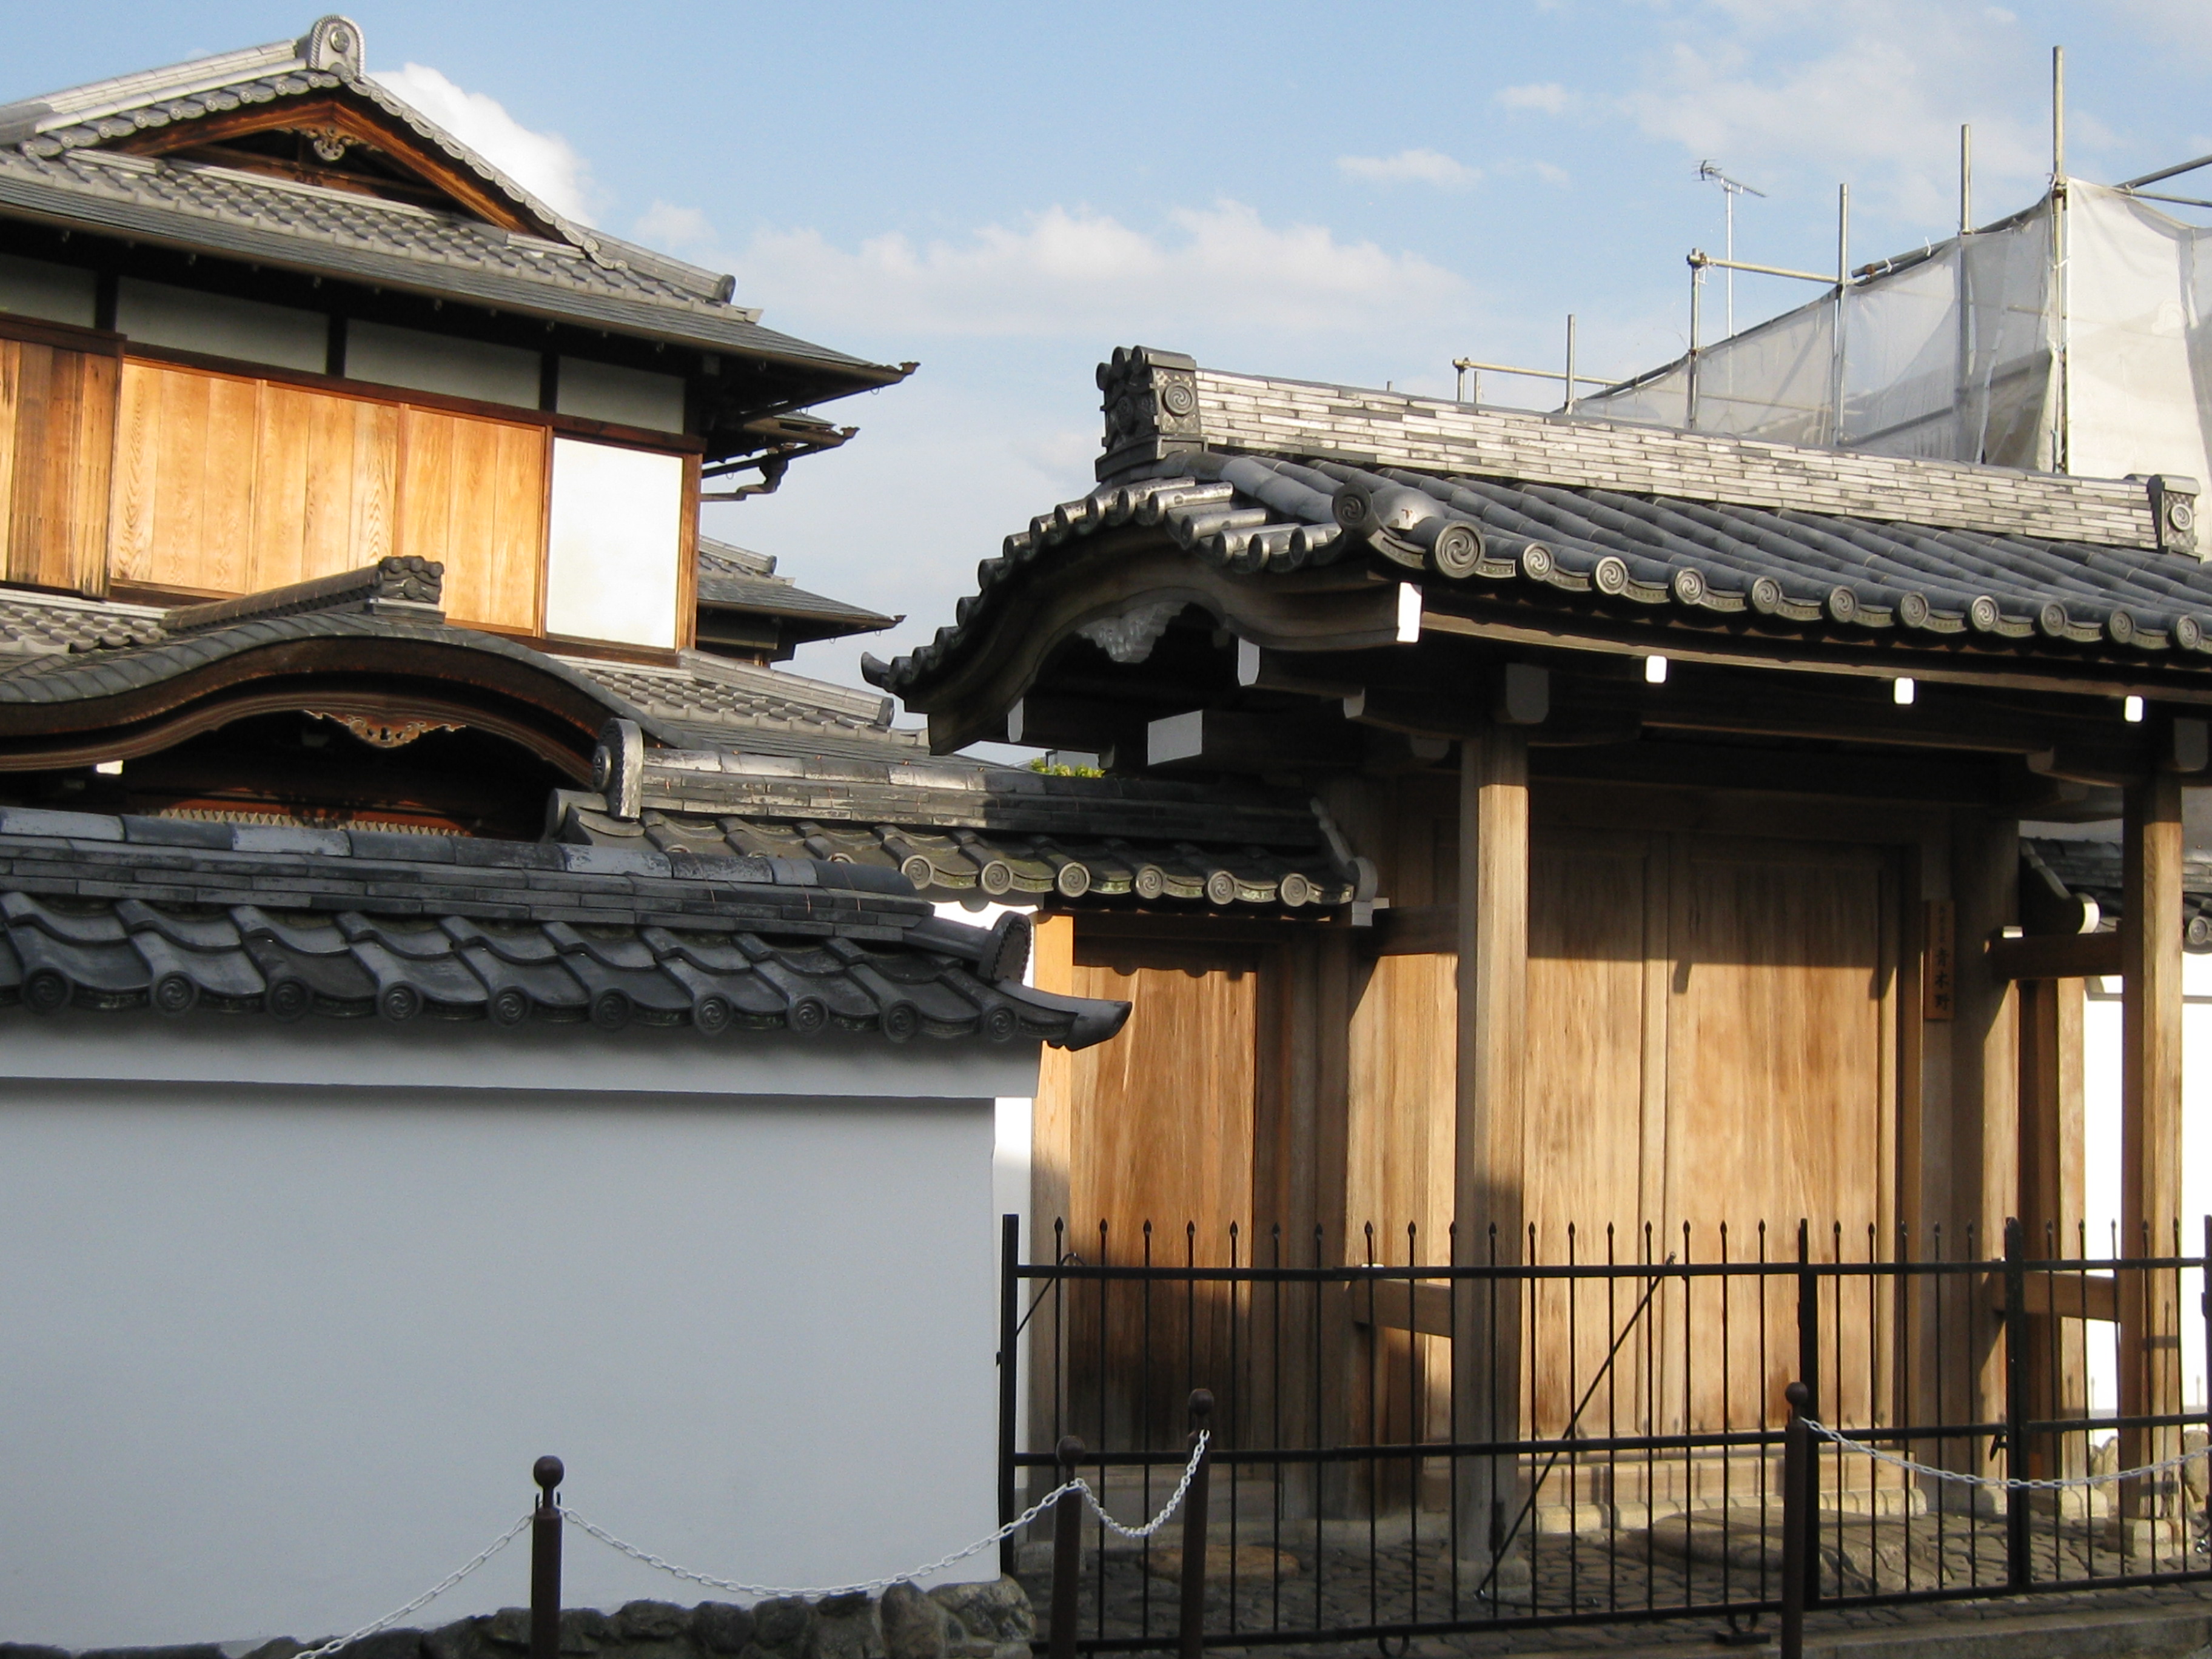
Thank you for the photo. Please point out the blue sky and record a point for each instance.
(1006, 193)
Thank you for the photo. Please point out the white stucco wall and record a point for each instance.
(2100, 1136)
(279, 1353)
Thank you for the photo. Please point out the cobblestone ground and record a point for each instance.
(1681, 1564)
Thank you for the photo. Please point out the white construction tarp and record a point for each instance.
(1982, 349)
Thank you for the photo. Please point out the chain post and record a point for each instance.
(1797, 1566)
(1066, 1553)
(1808, 1380)
(2018, 1564)
(1194, 1528)
(545, 1562)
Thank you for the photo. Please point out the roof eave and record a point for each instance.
(637, 319)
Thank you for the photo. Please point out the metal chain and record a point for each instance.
(425, 1598)
(2055, 1483)
(872, 1586)
(1175, 1498)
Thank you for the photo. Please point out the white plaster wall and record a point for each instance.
(632, 397)
(2100, 1136)
(612, 549)
(186, 319)
(35, 288)
(278, 1356)
(422, 361)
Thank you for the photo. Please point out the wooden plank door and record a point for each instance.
(1780, 1088)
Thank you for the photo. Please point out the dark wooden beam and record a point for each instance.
(2056, 956)
(1968, 780)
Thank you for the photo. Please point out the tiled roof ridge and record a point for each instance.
(673, 689)
(742, 560)
(963, 846)
(115, 913)
(329, 57)
(1250, 514)
(2090, 867)
(1363, 427)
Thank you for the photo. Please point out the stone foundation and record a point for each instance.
(955, 1621)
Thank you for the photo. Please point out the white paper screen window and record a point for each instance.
(610, 568)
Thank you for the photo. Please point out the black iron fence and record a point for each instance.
(1596, 1432)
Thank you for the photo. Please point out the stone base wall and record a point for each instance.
(955, 1621)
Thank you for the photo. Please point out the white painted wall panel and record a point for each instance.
(422, 361)
(279, 1358)
(185, 319)
(630, 396)
(616, 536)
(38, 287)
(430, 1054)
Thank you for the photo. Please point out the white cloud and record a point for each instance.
(667, 226)
(1549, 96)
(1557, 177)
(544, 163)
(1422, 166)
(1875, 95)
(1075, 273)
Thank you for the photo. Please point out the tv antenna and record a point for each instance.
(1710, 173)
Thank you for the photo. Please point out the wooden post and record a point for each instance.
(1797, 1496)
(1191, 1638)
(1983, 1153)
(1052, 1154)
(2150, 1124)
(1494, 996)
(1066, 1555)
(2051, 1198)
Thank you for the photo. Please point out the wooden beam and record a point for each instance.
(2057, 956)
(2150, 1128)
(1967, 780)
(2062, 1295)
(1493, 998)
(1885, 659)
(1220, 739)
(1417, 930)
(1401, 1304)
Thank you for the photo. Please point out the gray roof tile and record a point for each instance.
(1555, 545)
(790, 946)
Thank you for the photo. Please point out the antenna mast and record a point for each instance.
(1710, 173)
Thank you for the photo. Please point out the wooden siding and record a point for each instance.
(56, 421)
(473, 493)
(1163, 1114)
(1712, 1038)
(228, 484)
